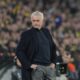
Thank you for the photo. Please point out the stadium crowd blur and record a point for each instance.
(62, 18)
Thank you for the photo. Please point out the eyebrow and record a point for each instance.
(35, 20)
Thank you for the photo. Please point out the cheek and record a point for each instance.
(35, 24)
(40, 22)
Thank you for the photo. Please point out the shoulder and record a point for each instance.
(27, 33)
(46, 30)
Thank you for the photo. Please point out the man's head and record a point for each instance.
(37, 19)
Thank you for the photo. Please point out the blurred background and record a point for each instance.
(62, 18)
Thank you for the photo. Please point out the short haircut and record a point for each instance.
(37, 13)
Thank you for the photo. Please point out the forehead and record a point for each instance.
(36, 18)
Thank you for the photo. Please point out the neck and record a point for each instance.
(38, 27)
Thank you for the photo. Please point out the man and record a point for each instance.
(37, 51)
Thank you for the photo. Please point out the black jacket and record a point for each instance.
(27, 49)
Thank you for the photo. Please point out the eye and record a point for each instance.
(35, 20)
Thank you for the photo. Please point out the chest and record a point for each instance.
(42, 38)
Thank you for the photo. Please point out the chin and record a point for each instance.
(37, 26)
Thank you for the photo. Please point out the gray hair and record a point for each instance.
(37, 13)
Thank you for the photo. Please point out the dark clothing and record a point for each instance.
(43, 55)
(28, 48)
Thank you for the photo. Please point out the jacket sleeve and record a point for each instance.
(53, 53)
(53, 48)
(20, 51)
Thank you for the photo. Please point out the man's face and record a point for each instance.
(37, 21)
